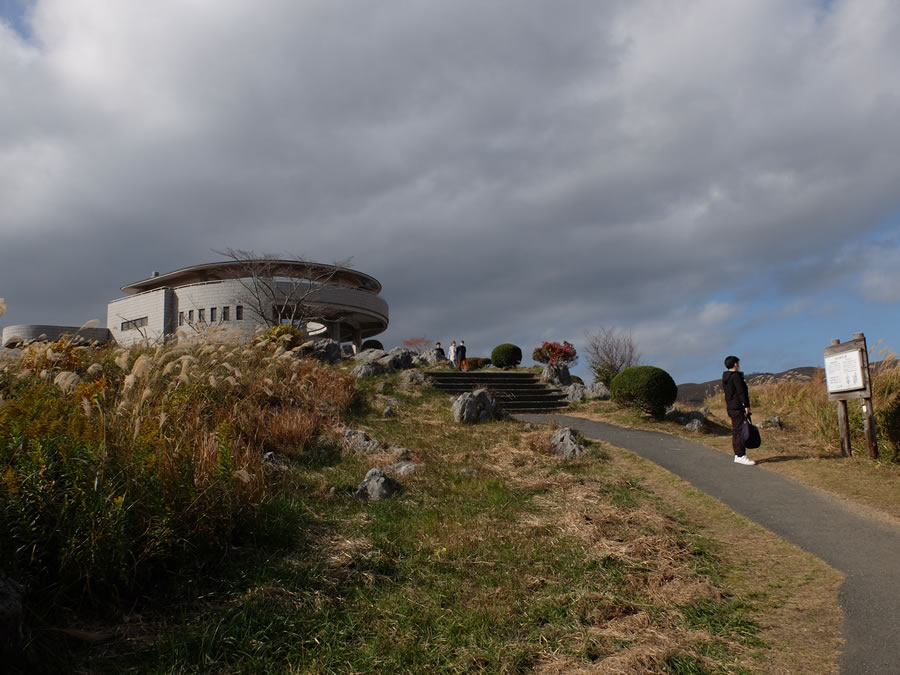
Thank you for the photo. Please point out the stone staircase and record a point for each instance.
(515, 392)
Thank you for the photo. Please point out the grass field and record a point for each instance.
(496, 556)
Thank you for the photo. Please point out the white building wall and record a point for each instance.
(156, 306)
(214, 294)
(189, 309)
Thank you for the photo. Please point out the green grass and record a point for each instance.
(494, 558)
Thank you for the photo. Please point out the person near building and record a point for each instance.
(461, 356)
(737, 402)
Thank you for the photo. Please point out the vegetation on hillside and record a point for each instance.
(138, 505)
(118, 462)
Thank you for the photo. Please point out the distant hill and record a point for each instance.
(694, 394)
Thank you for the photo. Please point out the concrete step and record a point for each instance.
(519, 392)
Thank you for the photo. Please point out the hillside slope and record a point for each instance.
(692, 393)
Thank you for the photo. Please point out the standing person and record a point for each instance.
(439, 351)
(737, 401)
(452, 353)
(461, 356)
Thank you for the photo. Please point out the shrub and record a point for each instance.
(506, 356)
(647, 388)
(476, 363)
(555, 353)
(371, 344)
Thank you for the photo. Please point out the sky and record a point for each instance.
(713, 177)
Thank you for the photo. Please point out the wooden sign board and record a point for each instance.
(846, 371)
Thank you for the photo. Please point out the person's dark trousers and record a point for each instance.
(737, 421)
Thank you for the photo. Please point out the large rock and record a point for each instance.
(399, 358)
(597, 392)
(369, 355)
(376, 486)
(326, 350)
(476, 406)
(575, 393)
(12, 615)
(364, 370)
(556, 374)
(565, 443)
(359, 441)
(431, 358)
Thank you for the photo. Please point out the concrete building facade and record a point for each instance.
(334, 302)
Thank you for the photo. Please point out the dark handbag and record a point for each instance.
(750, 435)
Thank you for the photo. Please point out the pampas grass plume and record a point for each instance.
(142, 366)
(129, 383)
(122, 360)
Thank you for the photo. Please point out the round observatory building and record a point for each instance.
(243, 295)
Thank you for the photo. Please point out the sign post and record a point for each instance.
(847, 376)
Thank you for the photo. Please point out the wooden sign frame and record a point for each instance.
(834, 353)
(838, 349)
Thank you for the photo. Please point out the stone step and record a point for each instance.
(479, 373)
(519, 396)
(469, 386)
(519, 392)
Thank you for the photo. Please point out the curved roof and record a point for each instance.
(238, 269)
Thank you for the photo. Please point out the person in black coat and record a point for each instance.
(737, 401)
(461, 356)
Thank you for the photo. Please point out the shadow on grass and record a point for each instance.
(792, 458)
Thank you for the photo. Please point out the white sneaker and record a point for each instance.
(743, 459)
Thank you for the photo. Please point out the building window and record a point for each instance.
(238, 312)
(212, 314)
(134, 324)
(225, 313)
(201, 316)
(180, 318)
(190, 316)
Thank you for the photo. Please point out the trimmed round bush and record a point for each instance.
(506, 356)
(371, 344)
(647, 388)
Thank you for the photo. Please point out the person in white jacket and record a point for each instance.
(451, 352)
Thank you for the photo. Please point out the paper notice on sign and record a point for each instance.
(843, 372)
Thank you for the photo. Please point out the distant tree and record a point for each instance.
(274, 294)
(610, 352)
(419, 344)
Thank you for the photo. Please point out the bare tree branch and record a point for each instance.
(273, 292)
(610, 352)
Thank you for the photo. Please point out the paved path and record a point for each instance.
(867, 551)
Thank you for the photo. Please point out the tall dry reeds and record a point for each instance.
(806, 408)
(114, 458)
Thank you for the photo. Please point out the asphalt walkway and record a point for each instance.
(866, 550)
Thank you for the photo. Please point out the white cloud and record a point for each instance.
(881, 276)
(511, 168)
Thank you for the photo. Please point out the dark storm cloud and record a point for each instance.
(511, 171)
